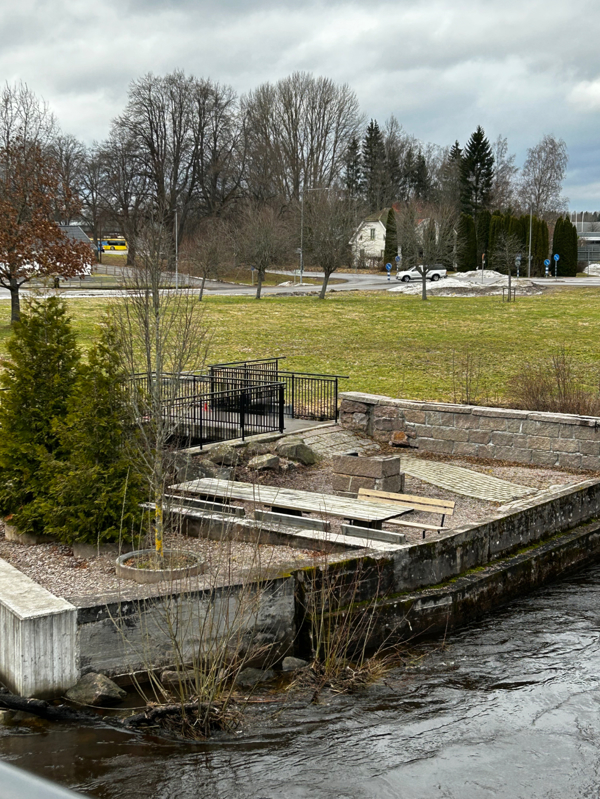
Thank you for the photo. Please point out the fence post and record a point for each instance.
(243, 412)
(281, 405)
(293, 397)
(336, 399)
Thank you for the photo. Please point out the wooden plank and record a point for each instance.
(303, 522)
(415, 505)
(358, 509)
(402, 523)
(204, 504)
(377, 535)
(408, 498)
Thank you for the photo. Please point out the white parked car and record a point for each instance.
(413, 274)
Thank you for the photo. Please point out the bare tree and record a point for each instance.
(189, 143)
(205, 252)
(163, 337)
(69, 158)
(329, 224)
(298, 130)
(438, 243)
(508, 248)
(263, 240)
(505, 171)
(542, 177)
(123, 187)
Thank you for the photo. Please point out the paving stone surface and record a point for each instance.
(463, 481)
(329, 441)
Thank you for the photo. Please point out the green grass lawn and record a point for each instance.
(392, 344)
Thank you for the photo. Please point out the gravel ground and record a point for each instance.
(55, 567)
(79, 579)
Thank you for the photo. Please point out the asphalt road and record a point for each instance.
(351, 282)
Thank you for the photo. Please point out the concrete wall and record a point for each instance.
(133, 636)
(541, 439)
(524, 523)
(37, 637)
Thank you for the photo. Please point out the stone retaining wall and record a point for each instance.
(541, 439)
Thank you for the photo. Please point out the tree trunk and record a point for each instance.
(202, 288)
(324, 286)
(424, 285)
(259, 283)
(15, 303)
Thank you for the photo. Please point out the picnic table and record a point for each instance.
(368, 513)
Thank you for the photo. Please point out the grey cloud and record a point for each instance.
(441, 66)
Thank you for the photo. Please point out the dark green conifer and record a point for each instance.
(95, 492)
(477, 174)
(466, 244)
(39, 378)
(391, 239)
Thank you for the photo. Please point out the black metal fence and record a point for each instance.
(225, 415)
(307, 395)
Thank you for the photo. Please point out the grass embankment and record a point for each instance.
(393, 344)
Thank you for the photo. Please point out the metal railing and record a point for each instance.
(229, 414)
(307, 395)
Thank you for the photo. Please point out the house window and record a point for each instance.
(372, 234)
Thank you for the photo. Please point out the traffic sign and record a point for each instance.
(556, 257)
(397, 259)
(547, 262)
(388, 267)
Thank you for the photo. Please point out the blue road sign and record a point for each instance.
(388, 267)
(397, 259)
(547, 262)
(556, 257)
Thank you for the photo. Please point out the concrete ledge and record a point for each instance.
(38, 633)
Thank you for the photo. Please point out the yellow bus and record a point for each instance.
(117, 243)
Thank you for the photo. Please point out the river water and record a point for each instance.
(509, 707)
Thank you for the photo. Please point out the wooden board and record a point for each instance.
(402, 523)
(306, 501)
(415, 505)
(448, 504)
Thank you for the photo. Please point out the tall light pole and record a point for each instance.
(530, 227)
(176, 252)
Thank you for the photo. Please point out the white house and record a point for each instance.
(368, 240)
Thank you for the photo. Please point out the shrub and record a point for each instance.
(38, 379)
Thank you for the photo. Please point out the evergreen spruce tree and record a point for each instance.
(477, 174)
(574, 247)
(96, 490)
(450, 180)
(421, 181)
(42, 367)
(391, 239)
(374, 178)
(466, 244)
(352, 168)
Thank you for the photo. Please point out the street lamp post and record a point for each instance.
(176, 253)
(530, 227)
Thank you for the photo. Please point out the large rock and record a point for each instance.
(261, 462)
(293, 664)
(248, 678)
(95, 689)
(224, 455)
(294, 449)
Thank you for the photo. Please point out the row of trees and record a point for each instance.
(192, 151)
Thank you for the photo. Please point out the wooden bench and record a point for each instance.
(291, 520)
(445, 507)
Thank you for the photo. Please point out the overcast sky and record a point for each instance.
(520, 68)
